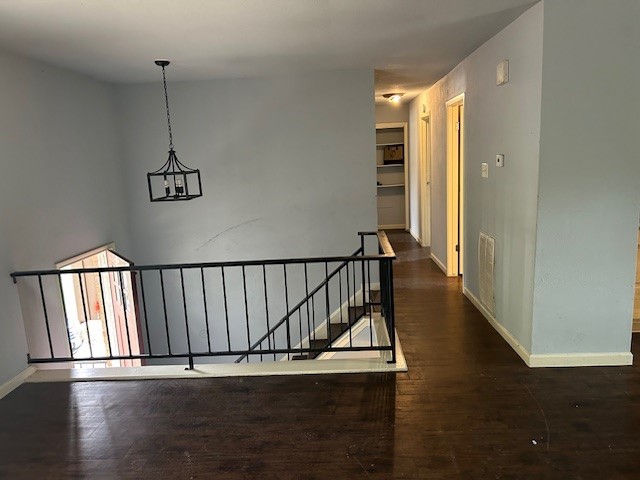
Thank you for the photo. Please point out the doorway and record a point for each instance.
(425, 180)
(455, 186)
(101, 310)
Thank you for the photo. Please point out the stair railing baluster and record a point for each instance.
(84, 312)
(206, 309)
(329, 337)
(246, 308)
(46, 316)
(306, 291)
(66, 317)
(266, 308)
(286, 301)
(106, 324)
(164, 308)
(226, 307)
(369, 302)
(347, 280)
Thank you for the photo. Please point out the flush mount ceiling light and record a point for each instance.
(173, 180)
(393, 97)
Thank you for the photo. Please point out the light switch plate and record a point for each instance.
(502, 73)
(500, 160)
(485, 170)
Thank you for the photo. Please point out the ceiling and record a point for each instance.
(409, 43)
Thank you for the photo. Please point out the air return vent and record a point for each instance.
(486, 262)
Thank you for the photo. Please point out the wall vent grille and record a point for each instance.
(486, 262)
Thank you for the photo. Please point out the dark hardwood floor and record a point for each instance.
(467, 409)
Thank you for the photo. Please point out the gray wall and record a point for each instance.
(434, 100)
(589, 177)
(287, 171)
(286, 166)
(391, 112)
(504, 120)
(61, 184)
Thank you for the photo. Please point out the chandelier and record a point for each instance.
(173, 181)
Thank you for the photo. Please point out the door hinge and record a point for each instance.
(458, 126)
(457, 248)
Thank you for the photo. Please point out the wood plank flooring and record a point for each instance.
(467, 409)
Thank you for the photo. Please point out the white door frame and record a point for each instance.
(405, 136)
(455, 188)
(425, 179)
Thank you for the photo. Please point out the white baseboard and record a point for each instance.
(415, 236)
(381, 338)
(10, 385)
(606, 359)
(437, 261)
(298, 367)
(504, 333)
(536, 360)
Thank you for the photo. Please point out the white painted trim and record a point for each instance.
(424, 164)
(407, 215)
(103, 248)
(606, 359)
(10, 385)
(382, 336)
(297, 367)
(455, 185)
(416, 237)
(511, 340)
(320, 331)
(343, 340)
(405, 138)
(394, 226)
(458, 99)
(382, 126)
(537, 360)
(438, 262)
(336, 316)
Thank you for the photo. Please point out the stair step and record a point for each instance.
(319, 344)
(337, 329)
(356, 313)
(376, 297)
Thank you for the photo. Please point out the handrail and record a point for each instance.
(384, 245)
(299, 305)
(327, 294)
(174, 266)
(383, 241)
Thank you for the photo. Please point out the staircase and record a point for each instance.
(337, 330)
(218, 309)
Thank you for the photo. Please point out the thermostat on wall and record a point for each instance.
(502, 72)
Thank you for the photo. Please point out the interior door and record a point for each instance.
(455, 187)
(460, 189)
(126, 319)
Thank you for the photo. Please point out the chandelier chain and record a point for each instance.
(166, 100)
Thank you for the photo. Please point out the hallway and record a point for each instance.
(467, 409)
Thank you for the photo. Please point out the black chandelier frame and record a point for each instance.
(173, 181)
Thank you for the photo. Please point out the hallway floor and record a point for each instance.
(467, 409)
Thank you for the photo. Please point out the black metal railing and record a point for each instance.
(220, 311)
